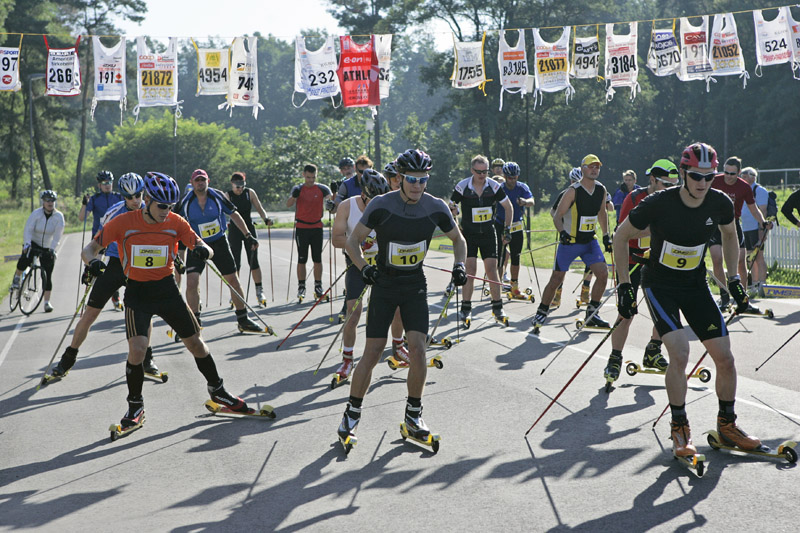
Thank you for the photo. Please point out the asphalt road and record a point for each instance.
(593, 463)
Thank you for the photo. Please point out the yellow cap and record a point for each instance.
(590, 159)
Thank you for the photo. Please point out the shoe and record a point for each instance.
(245, 324)
(596, 322)
(515, 291)
(653, 358)
(611, 372)
(556, 303)
(222, 397)
(753, 310)
(58, 371)
(464, 316)
(48, 307)
(538, 319)
(134, 415)
(400, 352)
(732, 435)
(723, 304)
(681, 436)
(301, 293)
(345, 368)
(506, 279)
(115, 301)
(260, 296)
(15, 283)
(318, 292)
(150, 365)
(584, 294)
(349, 423)
(416, 426)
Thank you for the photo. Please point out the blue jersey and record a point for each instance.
(98, 204)
(114, 211)
(520, 191)
(210, 223)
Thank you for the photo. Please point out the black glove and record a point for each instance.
(250, 241)
(626, 300)
(85, 199)
(370, 274)
(86, 277)
(506, 235)
(330, 205)
(179, 265)
(738, 294)
(607, 244)
(96, 267)
(459, 274)
(200, 252)
(50, 255)
(564, 237)
(296, 191)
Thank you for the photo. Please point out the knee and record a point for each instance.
(725, 363)
(678, 355)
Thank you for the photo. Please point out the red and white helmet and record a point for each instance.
(699, 155)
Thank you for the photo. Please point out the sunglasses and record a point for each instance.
(106, 183)
(699, 176)
(476, 171)
(731, 173)
(238, 184)
(164, 206)
(412, 179)
(665, 183)
(132, 196)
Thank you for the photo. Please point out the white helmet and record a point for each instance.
(576, 174)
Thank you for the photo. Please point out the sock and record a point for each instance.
(543, 310)
(616, 353)
(398, 341)
(301, 284)
(317, 284)
(134, 375)
(258, 286)
(355, 402)
(587, 283)
(678, 412)
(655, 342)
(726, 409)
(208, 368)
(415, 403)
(241, 314)
(593, 304)
(347, 352)
(68, 359)
(466, 305)
(497, 305)
(149, 353)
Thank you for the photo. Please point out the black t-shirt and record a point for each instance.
(477, 210)
(679, 236)
(244, 207)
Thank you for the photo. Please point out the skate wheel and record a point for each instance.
(438, 363)
(113, 435)
(631, 369)
(529, 291)
(391, 364)
(705, 375)
(578, 304)
(164, 377)
(268, 412)
(790, 454)
(435, 446)
(333, 383)
(609, 386)
(486, 292)
(579, 324)
(713, 440)
(700, 468)
(508, 295)
(403, 433)
(447, 343)
(770, 314)
(211, 406)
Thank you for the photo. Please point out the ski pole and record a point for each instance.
(271, 278)
(535, 274)
(468, 275)
(64, 336)
(267, 328)
(554, 400)
(291, 256)
(727, 322)
(330, 263)
(80, 259)
(458, 321)
(249, 272)
(441, 316)
(346, 320)
(309, 311)
(778, 350)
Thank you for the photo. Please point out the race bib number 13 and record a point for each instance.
(587, 223)
(681, 257)
(406, 255)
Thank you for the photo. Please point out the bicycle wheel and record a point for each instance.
(32, 290)
(13, 298)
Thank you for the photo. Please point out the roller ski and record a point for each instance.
(133, 420)
(445, 342)
(320, 294)
(347, 428)
(729, 437)
(594, 323)
(60, 371)
(397, 363)
(172, 334)
(342, 373)
(301, 293)
(116, 303)
(501, 318)
(584, 297)
(247, 326)
(611, 372)
(538, 321)
(465, 316)
(683, 450)
(55, 376)
(414, 428)
(516, 294)
(151, 370)
(505, 288)
(216, 409)
(752, 310)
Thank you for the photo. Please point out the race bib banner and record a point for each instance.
(213, 70)
(512, 63)
(243, 83)
(585, 57)
(622, 67)
(63, 77)
(109, 75)
(551, 69)
(315, 71)
(9, 68)
(794, 34)
(157, 76)
(694, 51)
(468, 68)
(383, 48)
(664, 56)
(725, 52)
(358, 73)
(773, 39)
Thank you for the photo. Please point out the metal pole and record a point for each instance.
(31, 77)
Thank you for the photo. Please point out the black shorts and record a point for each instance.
(698, 308)
(353, 283)
(235, 240)
(751, 239)
(305, 237)
(106, 285)
(717, 237)
(409, 293)
(485, 243)
(223, 259)
(46, 261)
(514, 247)
(145, 299)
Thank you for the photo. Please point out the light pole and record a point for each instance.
(32, 77)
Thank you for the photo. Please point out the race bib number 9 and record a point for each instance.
(209, 228)
(149, 256)
(587, 223)
(516, 226)
(406, 255)
(681, 257)
(481, 214)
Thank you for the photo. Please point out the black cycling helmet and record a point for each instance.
(373, 183)
(104, 176)
(413, 160)
(390, 170)
(346, 162)
(48, 195)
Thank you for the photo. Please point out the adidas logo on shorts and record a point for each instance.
(709, 222)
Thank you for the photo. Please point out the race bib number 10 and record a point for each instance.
(681, 257)
(149, 256)
(407, 255)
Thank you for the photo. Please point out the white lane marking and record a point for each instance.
(10, 340)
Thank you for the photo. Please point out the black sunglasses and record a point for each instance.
(699, 176)
(476, 171)
(731, 173)
(132, 196)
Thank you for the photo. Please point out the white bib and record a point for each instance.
(773, 39)
(468, 68)
(243, 85)
(794, 35)
(383, 47)
(585, 58)
(694, 51)
(664, 56)
(587, 223)
(209, 229)
(109, 74)
(512, 63)
(551, 69)
(315, 71)
(516, 227)
(622, 67)
(725, 54)
(9, 69)
(157, 75)
(213, 70)
(149, 256)
(681, 257)
(406, 255)
(63, 71)
(481, 214)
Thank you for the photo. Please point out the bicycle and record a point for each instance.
(31, 288)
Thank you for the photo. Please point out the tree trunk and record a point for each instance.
(84, 112)
(40, 155)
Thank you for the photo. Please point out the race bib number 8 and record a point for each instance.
(406, 255)
(516, 226)
(681, 257)
(149, 256)
(209, 228)
(587, 224)
(481, 214)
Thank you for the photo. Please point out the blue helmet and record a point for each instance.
(162, 188)
(130, 184)
(511, 169)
